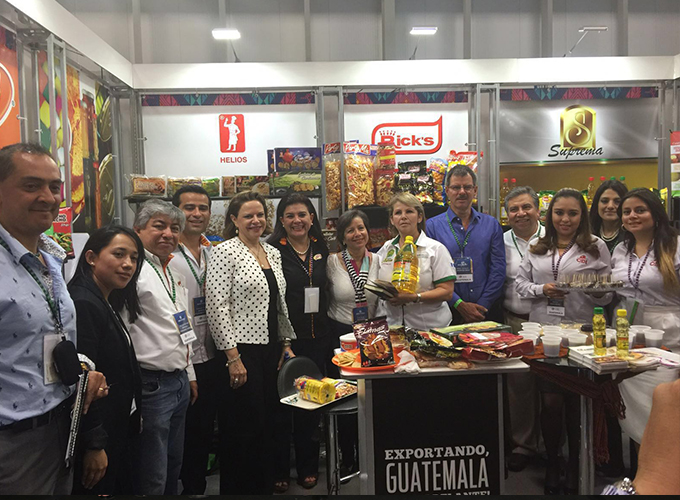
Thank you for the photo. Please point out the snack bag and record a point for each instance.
(145, 185)
(438, 168)
(468, 158)
(228, 185)
(403, 182)
(387, 155)
(331, 166)
(314, 390)
(384, 185)
(60, 231)
(342, 387)
(424, 188)
(174, 183)
(544, 198)
(211, 185)
(373, 340)
(359, 166)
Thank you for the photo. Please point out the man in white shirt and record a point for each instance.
(191, 261)
(521, 205)
(162, 336)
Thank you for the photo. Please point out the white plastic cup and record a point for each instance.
(639, 327)
(530, 324)
(653, 338)
(552, 330)
(611, 337)
(569, 331)
(551, 345)
(533, 337)
(576, 339)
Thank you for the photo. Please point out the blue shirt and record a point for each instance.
(25, 318)
(486, 248)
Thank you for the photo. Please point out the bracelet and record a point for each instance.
(419, 298)
(286, 343)
(457, 303)
(233, 360)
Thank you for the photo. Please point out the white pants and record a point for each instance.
(637, 391)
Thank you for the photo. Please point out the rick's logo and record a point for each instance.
(577, 127)
(410, 138)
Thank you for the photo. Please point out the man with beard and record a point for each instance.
(191, 260)
(475, 241)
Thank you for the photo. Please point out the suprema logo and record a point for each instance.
(577, 133)
(410, 138)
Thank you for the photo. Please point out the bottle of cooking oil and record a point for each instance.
(599, 332)
(622, 347)
(405, 268)
(591, 192)
(505, 189)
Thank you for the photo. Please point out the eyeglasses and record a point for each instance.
(467, 188)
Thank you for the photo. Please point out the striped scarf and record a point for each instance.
(359, 281)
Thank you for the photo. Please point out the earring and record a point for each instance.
(236, 230)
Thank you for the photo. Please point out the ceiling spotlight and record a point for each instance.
(225, 34)
(593, 28)
(423, 30)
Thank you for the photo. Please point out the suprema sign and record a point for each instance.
(410, 138)
(577, 133)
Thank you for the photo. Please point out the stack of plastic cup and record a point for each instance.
(653, 338)
(551, 345)
(576, 339)
(639, 331)
(552, 330)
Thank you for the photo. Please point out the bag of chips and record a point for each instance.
(228, 185)
(373, 340)
(331, 166)
(211, 185)
(424, 188)
(145, 185)
(384, 186)
(359, 166)
(438, 168)
(403, 183)
(174, 183)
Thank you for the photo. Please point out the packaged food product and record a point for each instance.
(297, 159)
(544, 198)
(424, 188)
(384, 185)
(373, 339)
(359, 166)
(331, 166)
(211, 185)
(271, 161)
(387, 155)
(257, 183)
(308, 183)
(342, 387)
(403, 182)
(438, 168)
(468, 158)
(174, 183)
(228, 185)
(314, 390)
(145, 185)
(61, 231)
(378, 236)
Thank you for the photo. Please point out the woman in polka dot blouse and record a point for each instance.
(248, 318)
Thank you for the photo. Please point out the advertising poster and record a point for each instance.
(10, 129)
(103, 170)
(45, 125)
(675, 163)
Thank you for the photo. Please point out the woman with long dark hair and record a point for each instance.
(648, 263)
(605, 220)
(248, 318)
(297, 235)
(568, 247)
(105, 282)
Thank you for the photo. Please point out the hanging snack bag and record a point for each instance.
(384, 185)
(467, 158)
(149, 186)
(403, 182)
(359, 165)
(544, 198)
(424, 188)
(387, 155)
(373, 340)
(438, 168)
(331, 166)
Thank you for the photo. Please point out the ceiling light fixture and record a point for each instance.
(225, 34)
(423, 30)
(585, 30)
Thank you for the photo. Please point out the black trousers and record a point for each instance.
(301, 426)
(200, 425)
(246, 423)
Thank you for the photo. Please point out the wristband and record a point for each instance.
(233, 360)
(457, 303)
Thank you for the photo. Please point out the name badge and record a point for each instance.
(556, 307)
(200, 317)
(186, 333)
(50, 375)
(359, 314)
(463, 267)
(312, 299)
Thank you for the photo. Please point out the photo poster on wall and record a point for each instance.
(10, 129)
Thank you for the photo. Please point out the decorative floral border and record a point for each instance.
(406, 97)
(254, 99)
(578, 93)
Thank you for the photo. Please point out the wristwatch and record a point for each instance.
(419, 298)
(623, 487)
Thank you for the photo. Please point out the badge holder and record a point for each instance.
(556, 307)
(312, 295)
(463, 267)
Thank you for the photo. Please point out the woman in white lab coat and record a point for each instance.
(567, 248)
(648, 263)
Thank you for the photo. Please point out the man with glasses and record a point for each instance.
(475, 241)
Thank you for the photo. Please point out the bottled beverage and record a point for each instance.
(405, 268)
(602, 179)
(622, 347)
(599, 332)
(513, 183)
(505, 189)
(623, 179)
(591, 191)
(612, 178)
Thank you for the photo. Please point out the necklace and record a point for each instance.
(300, 253)
(608, 238)
(255, 254)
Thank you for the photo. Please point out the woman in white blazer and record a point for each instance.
(248, 318)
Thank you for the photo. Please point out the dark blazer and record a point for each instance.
(102, 337)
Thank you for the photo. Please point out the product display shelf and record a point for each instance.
(134, 198)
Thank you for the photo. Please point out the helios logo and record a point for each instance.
(410, 138)
(232, 134)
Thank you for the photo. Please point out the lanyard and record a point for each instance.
(467, 236)
(310, 264)
(54, 308)
(201, 281)
(173, 295)
(556, 268)
(514, 240)
(635, 280)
